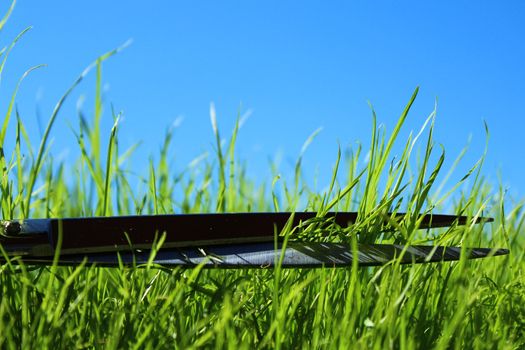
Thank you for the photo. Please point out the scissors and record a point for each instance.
(231, 240)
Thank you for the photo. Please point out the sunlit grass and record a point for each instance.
(467, 304)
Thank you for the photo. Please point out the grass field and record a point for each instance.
(467, 304)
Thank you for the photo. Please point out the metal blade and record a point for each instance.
(108, 234)
(264, 255)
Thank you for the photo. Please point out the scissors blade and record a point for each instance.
(267, 255)
(106, 234)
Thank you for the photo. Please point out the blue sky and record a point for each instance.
(296, 66)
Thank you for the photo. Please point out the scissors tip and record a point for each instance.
(488, 252)
(501, 251)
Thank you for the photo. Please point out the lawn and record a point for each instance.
(465, 305)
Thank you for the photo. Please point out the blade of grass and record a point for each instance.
(35, 169)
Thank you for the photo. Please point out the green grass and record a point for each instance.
(466, 304)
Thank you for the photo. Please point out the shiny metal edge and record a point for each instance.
(264, 255)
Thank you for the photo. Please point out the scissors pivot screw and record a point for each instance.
(12, 227)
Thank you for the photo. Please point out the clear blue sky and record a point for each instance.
(296, 65)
